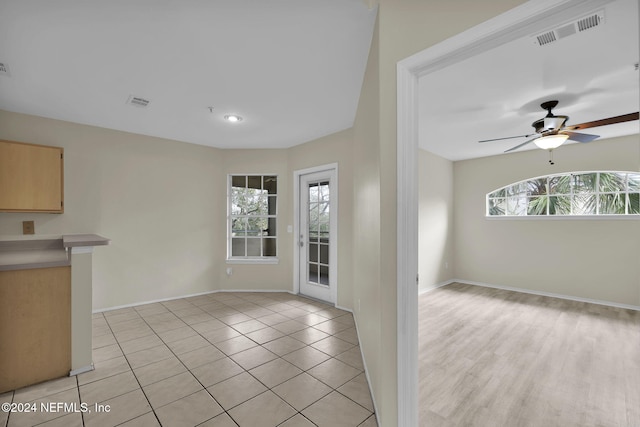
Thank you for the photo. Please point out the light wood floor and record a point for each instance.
(492, 358)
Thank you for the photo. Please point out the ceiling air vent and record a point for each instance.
(566, 30)
(4, 69)
(137, 101)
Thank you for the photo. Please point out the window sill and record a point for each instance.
(253, 261)
(563, 217)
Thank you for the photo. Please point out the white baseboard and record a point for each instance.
(135, 304)
(366, 373)
(81, 370)
(436, 286)
(254, 290)
(549, 294)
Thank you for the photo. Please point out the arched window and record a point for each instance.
(569, 194)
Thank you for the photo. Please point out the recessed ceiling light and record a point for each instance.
(233, 118)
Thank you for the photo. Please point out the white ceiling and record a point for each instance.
(498, 93)
(293, 69)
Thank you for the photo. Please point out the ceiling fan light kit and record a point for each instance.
(551, 141)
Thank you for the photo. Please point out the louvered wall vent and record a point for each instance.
(4, 69)
(137, 101)
(583, 24)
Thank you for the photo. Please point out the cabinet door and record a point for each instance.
(31, 178)
(35, 326)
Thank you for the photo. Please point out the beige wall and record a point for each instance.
(594, 259)
(435, 220)
(366, 223)
(158, 200)
(163, 204)
(336, 148)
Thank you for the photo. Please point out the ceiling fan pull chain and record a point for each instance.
(551, 162)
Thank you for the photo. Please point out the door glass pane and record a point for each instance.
(324, 275)
(313, 193)
(313, 273)
(323, 191)
(324, 254)
(313, 252)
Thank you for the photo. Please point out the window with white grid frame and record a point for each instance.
(592, 193)
(252, 233)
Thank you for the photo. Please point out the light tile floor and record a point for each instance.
(218, 360)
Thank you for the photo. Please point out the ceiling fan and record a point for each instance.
(551, 132)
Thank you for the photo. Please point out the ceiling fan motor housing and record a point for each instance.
(550, 123)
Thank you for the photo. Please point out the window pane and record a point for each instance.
(612, 182)
(634, 203)
(584, 183)
(584, 204)
(498, 193)
(517, 189)
(271, 227)
(238, 227)
(634, 181)
(559, 205)
(254, 182)
(516, 206)
(497, 206)
(560, 184)
(272, 206)
(255, 202)
(237, 247)
(537, 205)
(537, 187)
(271, 184)
(238, 197)
(254, 246)
(611, 204)
(269, 247)
(239, 181)
(256, 226)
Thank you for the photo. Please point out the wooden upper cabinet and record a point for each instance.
(31, 178)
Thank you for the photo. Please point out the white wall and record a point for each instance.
(435, 220)
(594, 259)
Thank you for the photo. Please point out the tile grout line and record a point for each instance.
(244, 304)
(132, 372)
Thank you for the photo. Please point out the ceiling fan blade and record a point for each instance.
(581, 137)
(521, 145)
(610, 121)
(508, 137)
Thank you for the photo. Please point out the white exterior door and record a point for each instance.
(317, 232)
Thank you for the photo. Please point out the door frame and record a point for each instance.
(525, 20)
(332, 168)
